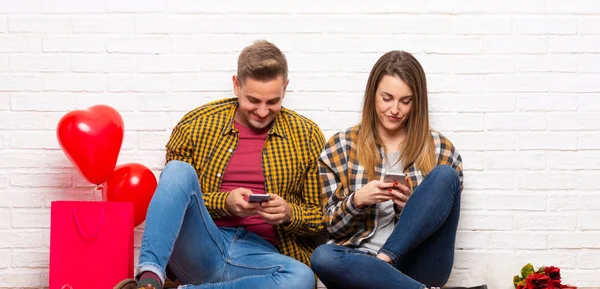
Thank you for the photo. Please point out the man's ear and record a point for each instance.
(236, 85)
(287, 81)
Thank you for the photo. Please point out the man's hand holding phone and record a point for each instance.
(258, 198)
(273, 208)
(237, 204)
(275, 211)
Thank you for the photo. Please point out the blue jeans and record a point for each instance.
(421, 245)
(180, 231)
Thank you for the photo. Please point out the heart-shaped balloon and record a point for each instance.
(135, 183)
(92, 139)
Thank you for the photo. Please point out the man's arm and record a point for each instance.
(181, 147)
(307, 214)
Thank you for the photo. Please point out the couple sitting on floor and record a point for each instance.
(207, 225)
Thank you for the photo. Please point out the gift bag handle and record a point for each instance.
(79, 227)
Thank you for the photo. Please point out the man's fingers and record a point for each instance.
(274, 202)
(272, 218)
(272, 210)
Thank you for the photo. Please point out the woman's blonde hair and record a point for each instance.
(418, 148)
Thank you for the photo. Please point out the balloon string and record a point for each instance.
(100, 188)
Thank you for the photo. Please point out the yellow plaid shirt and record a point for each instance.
(206, 139)
(342, 175)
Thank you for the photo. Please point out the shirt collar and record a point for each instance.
(277, 128)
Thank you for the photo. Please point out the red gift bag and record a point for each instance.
(91, 244)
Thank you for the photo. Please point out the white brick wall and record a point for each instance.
(513, 83)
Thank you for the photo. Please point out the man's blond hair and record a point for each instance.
(262, 61)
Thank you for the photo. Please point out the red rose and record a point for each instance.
(521, 286)
(539, 281)
(553, 273)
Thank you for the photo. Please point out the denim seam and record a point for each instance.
(252, 267)
(192, 193)
(194, 197)
(195, 194)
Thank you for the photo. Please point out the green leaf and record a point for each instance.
(527, 270)
(541, 270)
(516, 280)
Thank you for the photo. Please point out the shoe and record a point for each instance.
(132, 284)
(126, 284)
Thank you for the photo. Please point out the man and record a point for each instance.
(201, 221)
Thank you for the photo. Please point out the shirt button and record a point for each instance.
(230, 150)
(219, 175)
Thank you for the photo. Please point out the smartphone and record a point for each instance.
(258, 198)
(394, 177)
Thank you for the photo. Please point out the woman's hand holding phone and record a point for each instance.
(401, 192)
(373, 193)
(376, 192)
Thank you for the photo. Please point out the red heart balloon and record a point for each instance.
(92, 139)
(135, 183)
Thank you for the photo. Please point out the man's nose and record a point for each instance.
(262, 111)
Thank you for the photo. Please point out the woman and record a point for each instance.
(387, 234)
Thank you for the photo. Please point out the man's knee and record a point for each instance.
(303, 277)
(178, 172)
(179, 168)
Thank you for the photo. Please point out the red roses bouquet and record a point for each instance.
(546, 277)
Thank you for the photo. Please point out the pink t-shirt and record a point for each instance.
(244, 170)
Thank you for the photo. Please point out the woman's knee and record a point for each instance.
(323, 259)
(438, 280)
(445, 174)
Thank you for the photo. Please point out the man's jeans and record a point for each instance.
(180, 231)
(421, 246)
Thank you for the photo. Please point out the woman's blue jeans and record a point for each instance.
(179, 231)
(421, 245)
